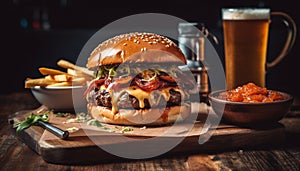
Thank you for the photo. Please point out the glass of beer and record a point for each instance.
(246, 32)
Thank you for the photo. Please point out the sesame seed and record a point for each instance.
(143, 49)
(124, 44)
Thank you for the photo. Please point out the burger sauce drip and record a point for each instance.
(114, 107)
(164, 115)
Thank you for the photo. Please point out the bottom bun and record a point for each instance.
(153, 116)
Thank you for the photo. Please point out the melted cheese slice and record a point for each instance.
(141, 95)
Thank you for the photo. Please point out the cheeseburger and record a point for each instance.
(138, 81)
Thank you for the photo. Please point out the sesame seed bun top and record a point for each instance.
(136, 48)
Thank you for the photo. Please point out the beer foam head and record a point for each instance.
(246, 14)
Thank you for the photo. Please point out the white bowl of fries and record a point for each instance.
(62, 99)
(61, 90)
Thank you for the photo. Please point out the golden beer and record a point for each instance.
(245, 42)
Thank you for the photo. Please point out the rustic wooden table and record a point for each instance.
(15, 155)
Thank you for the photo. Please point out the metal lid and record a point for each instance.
(190, 28)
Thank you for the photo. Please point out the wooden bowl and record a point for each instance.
(242, 113)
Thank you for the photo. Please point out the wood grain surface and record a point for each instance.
(16, 155)
(77, 149)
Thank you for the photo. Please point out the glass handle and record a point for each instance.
(200, 49)
(290, 40)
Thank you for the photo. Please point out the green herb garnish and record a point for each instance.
(83, 117)
(95, 123)
(30, 120)
(61, 114)
(126, 129)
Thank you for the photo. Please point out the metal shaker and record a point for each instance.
(191, 41)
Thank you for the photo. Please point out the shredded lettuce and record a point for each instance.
(126, 70)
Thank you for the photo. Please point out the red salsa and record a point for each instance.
(250, 93)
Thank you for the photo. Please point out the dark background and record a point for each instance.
(37, 33)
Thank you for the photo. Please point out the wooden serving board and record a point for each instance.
(85, 145)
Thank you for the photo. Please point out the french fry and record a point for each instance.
(75, 73)
(48, 77)
(38, 82)
(61, 78)
(50, 71)
(79, 81)
(65, 64)
(78, 74)
(60, 84)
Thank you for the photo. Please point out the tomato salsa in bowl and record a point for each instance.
(250, 104)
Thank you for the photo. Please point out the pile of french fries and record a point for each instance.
(72, 76)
